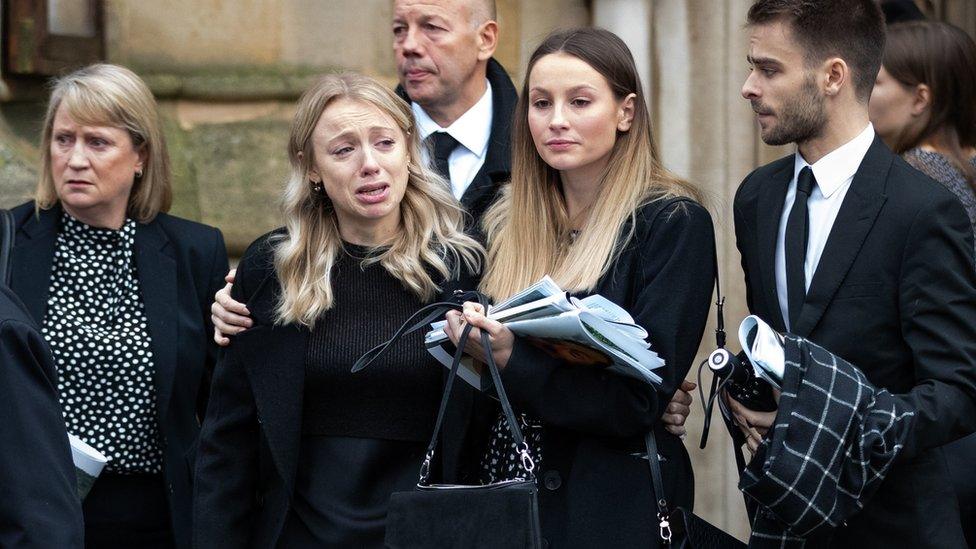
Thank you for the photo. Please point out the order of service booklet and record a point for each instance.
(591, 331)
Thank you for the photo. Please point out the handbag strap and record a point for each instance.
(663, 513)
(7, 228)
(523, 448)
(426, 315)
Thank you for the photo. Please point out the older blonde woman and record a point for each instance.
(121, 290)
(296, 451)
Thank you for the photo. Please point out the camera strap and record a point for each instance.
(720, 338)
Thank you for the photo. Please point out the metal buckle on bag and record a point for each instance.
(425, 467)
(665, 528)
(527, 461)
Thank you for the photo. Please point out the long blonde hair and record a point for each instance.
(528, 227)
(431, 239)
(110, 95)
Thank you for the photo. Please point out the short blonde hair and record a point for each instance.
(110, 95)
(431, 239)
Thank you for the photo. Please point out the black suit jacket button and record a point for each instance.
(545, 542)
(552, 480)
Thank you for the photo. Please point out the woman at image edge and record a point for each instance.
(590, 204)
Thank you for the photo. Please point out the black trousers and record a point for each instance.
(127, 511)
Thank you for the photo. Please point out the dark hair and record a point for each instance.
(853, 30)
(942, 57)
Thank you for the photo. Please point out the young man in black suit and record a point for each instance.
(846, 245)
(39, 506)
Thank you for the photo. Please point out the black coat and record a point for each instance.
(39, 506)
(251, 438)
(180, 265)
(594, 491)
(895, 295)
(498, 161)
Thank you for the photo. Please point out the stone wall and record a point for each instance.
(227, 74)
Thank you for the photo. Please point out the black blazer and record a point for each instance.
(595, 489)
(251, 437)
(498, 161)
(895, 295)
(180, 265)
(39, 506)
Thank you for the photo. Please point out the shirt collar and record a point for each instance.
(472, 129)
(840, 164)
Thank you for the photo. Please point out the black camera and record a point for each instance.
(736, 376)
(741, 381)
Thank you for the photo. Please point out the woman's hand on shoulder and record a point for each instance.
(500, 338)
(229, 317)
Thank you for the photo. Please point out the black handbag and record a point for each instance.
(6, 245)
(500, 515)
(681, 528)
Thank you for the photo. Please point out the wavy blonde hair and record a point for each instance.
(431, 239)
(110, 95)
(528, 226)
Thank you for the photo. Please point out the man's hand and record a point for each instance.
(229, 317)
(754, 425)
(678, 410)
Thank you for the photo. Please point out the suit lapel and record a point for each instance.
(498, 162)
(275, 363)
(854, 220)
(156, 271)
(33, 259)
(768, 213)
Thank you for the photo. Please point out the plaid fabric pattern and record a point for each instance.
(833, 440)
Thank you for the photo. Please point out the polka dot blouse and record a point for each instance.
(97, 328)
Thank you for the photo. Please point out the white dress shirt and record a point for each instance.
(472, 130)
(834, 173)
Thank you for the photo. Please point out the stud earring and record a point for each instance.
(139, 173)
(318, 191)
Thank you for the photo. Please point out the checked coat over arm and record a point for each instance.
(894, 294)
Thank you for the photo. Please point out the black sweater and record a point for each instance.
(395, 398)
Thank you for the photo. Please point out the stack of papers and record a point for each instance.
(592, 331)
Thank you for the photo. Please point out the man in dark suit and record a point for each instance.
(462, 99)
(846, 245)
(39, 506)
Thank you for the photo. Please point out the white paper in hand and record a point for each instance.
(88, 463)
(766, 351)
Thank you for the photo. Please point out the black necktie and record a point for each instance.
(797, 232)
(444, 144)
